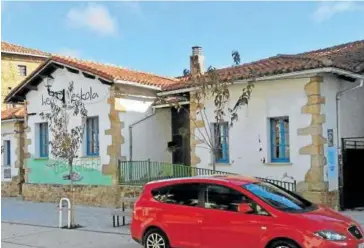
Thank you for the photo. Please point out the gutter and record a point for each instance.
(280, 76)
(131, 133)
(118, 81)
(338, 94)
(11, 120)
(27, 54)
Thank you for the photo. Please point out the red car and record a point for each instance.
(236, 212)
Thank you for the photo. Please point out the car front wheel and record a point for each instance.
(283, 244)
(155, 238)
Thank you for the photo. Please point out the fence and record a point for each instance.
(142, 172)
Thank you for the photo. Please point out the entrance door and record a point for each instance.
(353, 173)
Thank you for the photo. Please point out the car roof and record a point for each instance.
(234, 179)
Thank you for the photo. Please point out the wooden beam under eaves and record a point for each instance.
(18, 98)
(105, 82)
(88, 75)
(31, 87)
(72, 70)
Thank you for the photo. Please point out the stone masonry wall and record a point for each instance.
(98, 196)
(10, 189)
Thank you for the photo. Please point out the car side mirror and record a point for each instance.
(244, 208)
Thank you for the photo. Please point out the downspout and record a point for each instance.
(131, 133)
(338, 140)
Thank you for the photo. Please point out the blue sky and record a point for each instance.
(157, 36)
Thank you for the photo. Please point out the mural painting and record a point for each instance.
(86, 171)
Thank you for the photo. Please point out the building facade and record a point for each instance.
(304, 111)
(16, 63)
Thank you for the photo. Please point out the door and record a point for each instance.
(181, 215)
(224, 226)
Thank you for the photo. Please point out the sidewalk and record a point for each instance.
(46, 215)
(24, 236)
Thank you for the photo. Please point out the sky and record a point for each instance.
(157, 37)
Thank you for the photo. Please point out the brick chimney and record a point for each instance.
(197, 61)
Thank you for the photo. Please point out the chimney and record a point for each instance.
(197, 61)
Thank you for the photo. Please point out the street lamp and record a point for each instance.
(60, 95)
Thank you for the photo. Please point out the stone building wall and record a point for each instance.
(90, 195)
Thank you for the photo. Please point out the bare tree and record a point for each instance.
(211, 86)
(66, 140)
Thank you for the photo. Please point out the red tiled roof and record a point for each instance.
(349, 56)
(13, 113)
(112, 72)
(12, 48)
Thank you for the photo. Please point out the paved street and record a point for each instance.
(29, 224)
(22, 236)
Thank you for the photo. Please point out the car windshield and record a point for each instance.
(279, 198)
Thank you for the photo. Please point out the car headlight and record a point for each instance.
(330, 235)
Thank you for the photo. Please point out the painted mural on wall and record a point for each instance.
(86, 171)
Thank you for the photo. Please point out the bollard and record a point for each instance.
(69, 212)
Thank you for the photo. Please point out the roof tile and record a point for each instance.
(12, 48)
(13, 113)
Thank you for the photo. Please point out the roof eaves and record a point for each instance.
(26, 54)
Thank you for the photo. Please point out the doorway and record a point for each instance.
(352, 190)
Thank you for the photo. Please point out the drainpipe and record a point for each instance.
(338, 138)
(131, 133)
(338, 94)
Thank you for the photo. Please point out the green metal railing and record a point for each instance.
(142, 172)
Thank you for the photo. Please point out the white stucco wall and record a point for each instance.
(7, 133)
(351, 115)
(96, 107)
(150, 136)
(269, 99)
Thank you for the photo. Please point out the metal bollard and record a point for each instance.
(69, 212)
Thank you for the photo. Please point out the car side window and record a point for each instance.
(228, 199)
(181, 194)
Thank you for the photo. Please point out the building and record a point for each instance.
(305, 112)
(16, 63)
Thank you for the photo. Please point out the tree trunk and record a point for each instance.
(72, 196)
(213, 161)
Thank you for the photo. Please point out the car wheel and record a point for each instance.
(155, 238)
(283, 244)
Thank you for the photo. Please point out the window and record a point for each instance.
(92, 136)
(182, 194)
(7, 153)
(279, 139)
(221, 137)
(227, 199)
(22, 69)
(279, 198)
(43, 140)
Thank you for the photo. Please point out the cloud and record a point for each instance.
(95, 17)
(132, 7)
(326, 10)
(70, 52)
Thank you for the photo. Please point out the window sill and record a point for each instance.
(279, 164)
(90, 156)
(42, 158)
(221, 164)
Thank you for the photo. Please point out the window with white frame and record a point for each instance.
(43, 140)
(7, 153)
(221, 137)
(22, 69)
(92, 136)
(279, 139)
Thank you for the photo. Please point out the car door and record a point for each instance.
(181, 214)
(224, 226)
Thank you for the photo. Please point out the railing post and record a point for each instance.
(149, 170)
(69, 212)
(130, 170)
